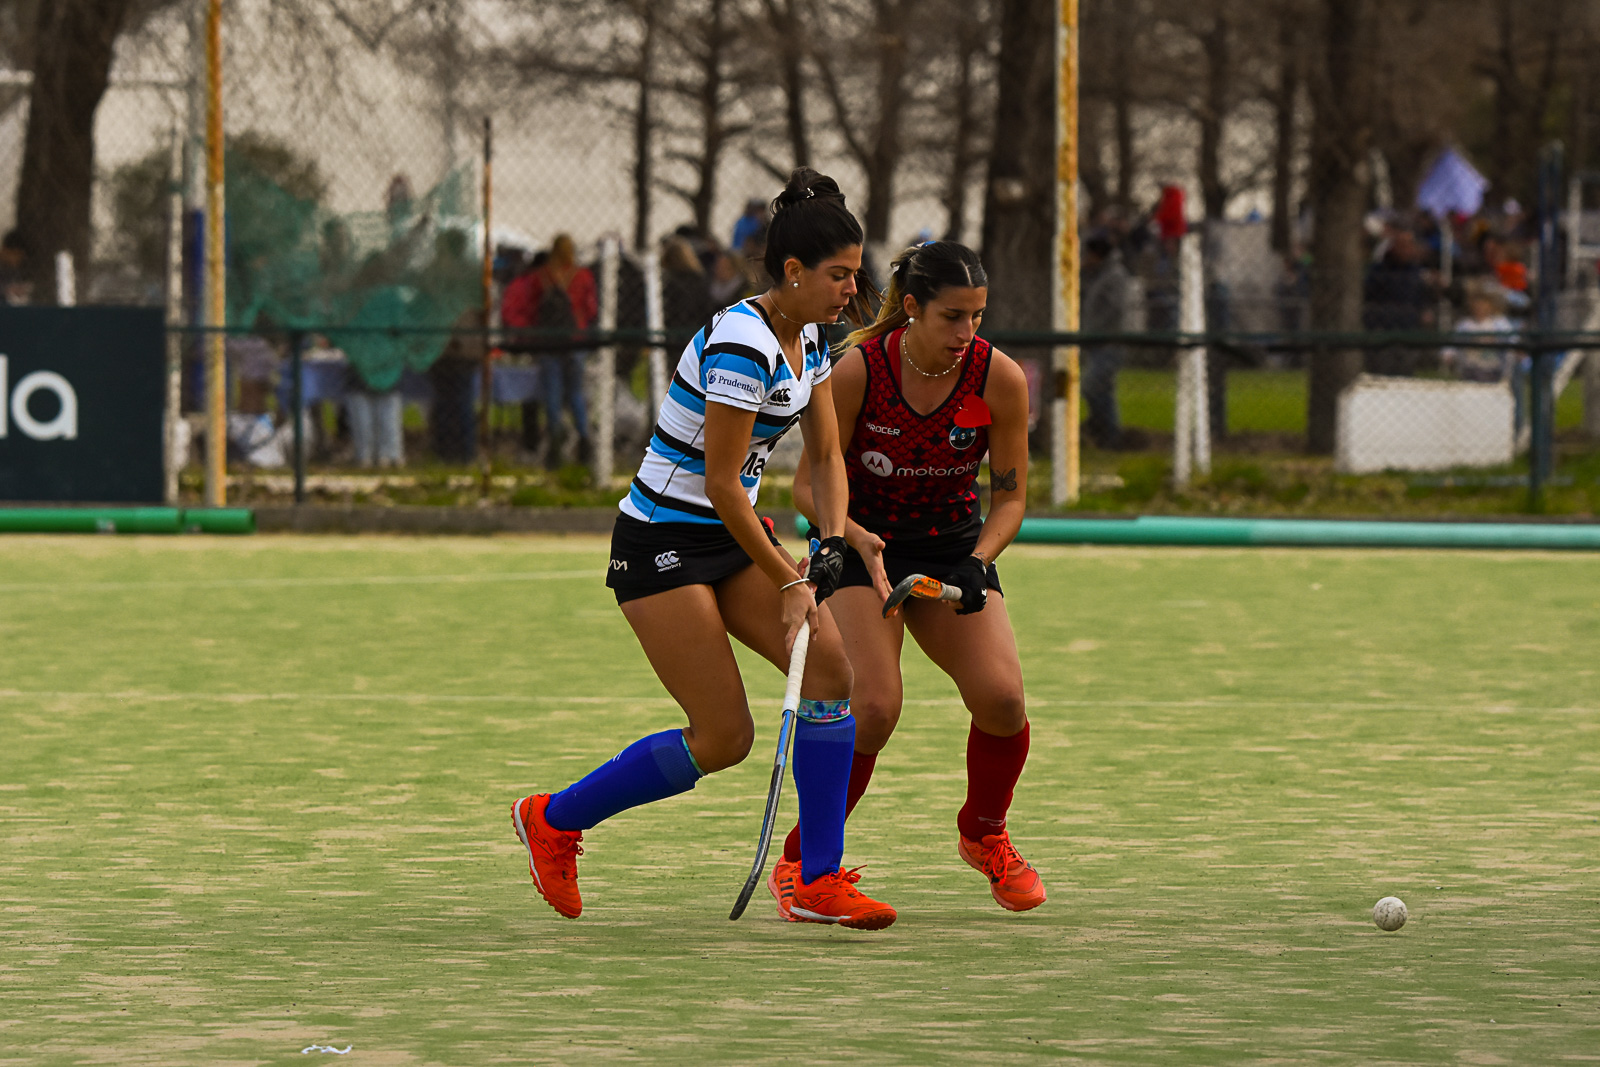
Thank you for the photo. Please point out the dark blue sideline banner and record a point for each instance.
(82, 393)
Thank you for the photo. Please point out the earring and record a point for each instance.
(794, 285)
(911, 318)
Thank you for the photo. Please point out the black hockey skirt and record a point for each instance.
(652, 557)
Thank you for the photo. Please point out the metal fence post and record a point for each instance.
(297, 411)
(655, 322)
(606, 398)
(1192, 415)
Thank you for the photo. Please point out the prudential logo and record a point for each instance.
(63, 426)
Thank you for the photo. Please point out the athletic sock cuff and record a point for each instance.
(670, 749)
(823, 710)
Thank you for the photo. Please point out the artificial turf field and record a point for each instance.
(254, 797)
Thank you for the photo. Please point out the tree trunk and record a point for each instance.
(643, 179)
(787, 23)
(1122, 103)
(884, 157)
(1215, 43)
(955, 193)
(73, 47)
(713, 133)
(1283, 212)
(1019, 216)
(1340, 175)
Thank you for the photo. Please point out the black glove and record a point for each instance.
(827, 567)
(971, 576)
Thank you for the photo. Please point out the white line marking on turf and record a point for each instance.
(286, 583)
(134, 695)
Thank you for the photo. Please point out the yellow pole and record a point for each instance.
(216, 271)
(486, 385)
(1064, 480)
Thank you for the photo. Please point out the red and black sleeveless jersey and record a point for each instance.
(914, 477)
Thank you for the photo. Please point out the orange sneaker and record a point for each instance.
(552, 855)
(834, 898)
(781, 880)
(1012, 879)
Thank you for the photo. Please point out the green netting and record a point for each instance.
(293, 264)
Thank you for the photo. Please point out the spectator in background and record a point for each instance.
(1104, 310)
(751, 225)
(1397, 297)
(730, 281)
(519, 313)
(685, 295)
(16, 287)
(1485, 314)
(558, 299)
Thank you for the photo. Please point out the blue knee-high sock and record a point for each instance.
(652, 768)
(822, 755)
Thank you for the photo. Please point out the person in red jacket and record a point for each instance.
(558, 296)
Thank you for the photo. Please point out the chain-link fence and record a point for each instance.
(1328, 201)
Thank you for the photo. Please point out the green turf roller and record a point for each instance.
(127, 520)
(89, 520)
(1173, 530)
(219, 520)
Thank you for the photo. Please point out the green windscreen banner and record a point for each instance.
(81, 404)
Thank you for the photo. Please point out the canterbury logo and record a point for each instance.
(780, 396)
(666, 561)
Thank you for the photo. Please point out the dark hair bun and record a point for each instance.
(806, 184)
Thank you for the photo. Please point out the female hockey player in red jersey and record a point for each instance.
(920, 399)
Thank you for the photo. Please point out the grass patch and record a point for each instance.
(255, 798)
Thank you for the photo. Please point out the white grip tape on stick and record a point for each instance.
(797, 668)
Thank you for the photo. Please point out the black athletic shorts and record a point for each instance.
(652, 557)
(934, 558)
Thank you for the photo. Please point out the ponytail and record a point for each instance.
(923, 271)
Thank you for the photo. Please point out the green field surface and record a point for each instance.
(255, 797)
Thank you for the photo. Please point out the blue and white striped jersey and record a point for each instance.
(736, 361)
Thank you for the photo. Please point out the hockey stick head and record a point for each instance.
(920, 586)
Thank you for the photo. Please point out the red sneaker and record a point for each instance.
(1012, 879)
(552, 854)
(781, 880)
(834, 898)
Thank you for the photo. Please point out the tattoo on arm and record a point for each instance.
(1003, 481)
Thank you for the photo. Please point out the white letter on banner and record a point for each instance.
(64, 425)
(4, 392)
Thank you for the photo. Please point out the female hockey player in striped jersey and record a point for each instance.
(920, 399)
(692, 565)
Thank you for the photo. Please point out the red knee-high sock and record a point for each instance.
(993, 766)
(860, 775)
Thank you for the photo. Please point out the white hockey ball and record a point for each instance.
(1389, 913)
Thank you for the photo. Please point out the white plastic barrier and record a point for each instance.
(1415, 424)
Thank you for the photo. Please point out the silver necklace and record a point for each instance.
(905, 356)
(779, 310)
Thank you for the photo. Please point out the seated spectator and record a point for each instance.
(16, 286)
(685, 296)
(1485, 314)
(730, 282)
(752, 224)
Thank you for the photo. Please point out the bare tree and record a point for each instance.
(705, 40)
(1341, 81)
(73, 44)
(868, 109)
(971, 24)
(1020, 203)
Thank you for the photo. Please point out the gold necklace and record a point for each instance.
(906, 356)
